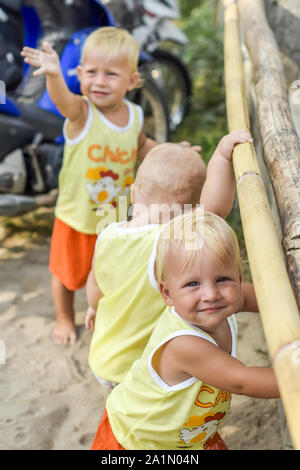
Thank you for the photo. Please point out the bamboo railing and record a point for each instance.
(275, 296)
(281, 143)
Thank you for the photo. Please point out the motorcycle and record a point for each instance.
(30, 124)
(151, 22)
(11, 41)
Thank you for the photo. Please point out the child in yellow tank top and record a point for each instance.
(104, 138)
(122, 286)
(178, 392)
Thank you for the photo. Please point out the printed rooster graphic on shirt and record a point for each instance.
(200, 429)
(104, 190)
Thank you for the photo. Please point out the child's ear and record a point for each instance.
(135, 77)
(165, 293)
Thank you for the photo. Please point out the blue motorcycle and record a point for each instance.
(11, 41)
(30, 124)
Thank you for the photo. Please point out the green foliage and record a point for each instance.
(187, 5)
(206, 121)
(203, 55)
(34, 226)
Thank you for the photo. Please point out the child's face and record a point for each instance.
(204, 293)
(104, 79)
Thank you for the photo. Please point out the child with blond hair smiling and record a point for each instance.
(121, 286)
(104, 138)
(178, 392)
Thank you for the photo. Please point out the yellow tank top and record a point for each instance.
(145, 413)
(131, 304)
(97, 171)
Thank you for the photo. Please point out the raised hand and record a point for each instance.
(227, 143)
(46, 61)
(90, 319)
(186, 143)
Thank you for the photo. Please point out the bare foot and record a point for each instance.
(64, 332)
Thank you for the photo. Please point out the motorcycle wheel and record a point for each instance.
(156, 118)
(172, 77)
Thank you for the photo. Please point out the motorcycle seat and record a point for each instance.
(45, 122)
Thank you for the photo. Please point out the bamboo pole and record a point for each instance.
(280, 140)
(276, 300)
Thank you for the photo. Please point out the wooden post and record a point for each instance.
(276, 300)
(280, 140)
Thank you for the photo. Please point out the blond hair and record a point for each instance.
(171, 174)
(115, 41)
(191, 232)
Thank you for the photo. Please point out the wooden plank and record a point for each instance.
(276, 299)
(280, 140)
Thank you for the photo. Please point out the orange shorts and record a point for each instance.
(216, 443)
(105, 439)
(71, 255)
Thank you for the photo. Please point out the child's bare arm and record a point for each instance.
(93, 292)
(145, 144)
(90, 319)
(47, 63)
(219, 188)
(199, 358)
(249, 301)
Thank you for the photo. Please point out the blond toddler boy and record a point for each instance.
(122, 286)
(177, 394)
(104, 137)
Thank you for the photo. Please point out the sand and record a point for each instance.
(49, 397)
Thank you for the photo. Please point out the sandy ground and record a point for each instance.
(49, 397)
